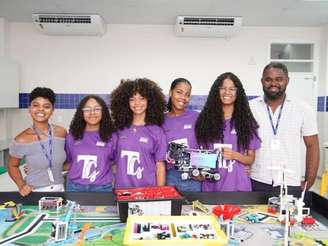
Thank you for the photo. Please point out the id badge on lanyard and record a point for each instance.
(51, 176)
(275, 143)
(47, 155)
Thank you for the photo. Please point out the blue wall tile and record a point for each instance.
(251, 97)
(71, 100)
(23, 100)
(321, 104)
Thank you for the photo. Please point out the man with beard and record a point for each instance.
(284, 121)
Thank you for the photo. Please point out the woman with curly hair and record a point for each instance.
(89, 147)
(138, 108)
(179, 127)
(226, 123)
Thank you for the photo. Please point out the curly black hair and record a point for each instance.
(173, 85)
(119, 98)
(78, 123)
(210, 123)
(43, 92)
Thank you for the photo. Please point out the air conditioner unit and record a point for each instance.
(70, 24)
(207, 26)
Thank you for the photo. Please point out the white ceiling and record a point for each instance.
(254, 12)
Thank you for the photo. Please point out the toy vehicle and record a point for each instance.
(253, 218)
(194, 162)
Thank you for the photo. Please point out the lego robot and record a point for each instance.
(194, 162)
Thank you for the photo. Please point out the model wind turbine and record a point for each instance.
(285, 201)
(301, 211)
(291, 209)
(284, 198)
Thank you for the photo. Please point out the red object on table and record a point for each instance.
(272, 210)
(307, 220)
(147, 193)
(291, 222)
(227, 211)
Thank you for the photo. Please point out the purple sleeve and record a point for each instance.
(161, 146)
(113, 146)
(255, 143)
(68, 144)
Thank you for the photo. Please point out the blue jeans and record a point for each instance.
(75, 187)
(173, 177)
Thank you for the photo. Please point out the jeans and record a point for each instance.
(75, 187)
(173, 178)
(259, 186)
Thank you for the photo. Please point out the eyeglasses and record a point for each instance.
(88, 110)
(231, 90)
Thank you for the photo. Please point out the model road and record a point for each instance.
(88, 219)
(29, 229)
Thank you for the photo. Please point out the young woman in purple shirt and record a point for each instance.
(227, 123)
(138, 108)
(179, 127)
(89, 147)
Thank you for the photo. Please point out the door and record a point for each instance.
(303, 87)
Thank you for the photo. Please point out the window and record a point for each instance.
(296, 56)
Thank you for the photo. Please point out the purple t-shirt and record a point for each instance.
(138, 149)
(90, 159)
(233, 174)
(181, 129)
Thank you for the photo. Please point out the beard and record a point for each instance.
(274, 95)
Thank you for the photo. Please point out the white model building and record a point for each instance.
(50, 203)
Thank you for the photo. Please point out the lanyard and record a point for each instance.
(44, 150)
(275, 128)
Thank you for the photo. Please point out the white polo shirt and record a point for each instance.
(297, 120)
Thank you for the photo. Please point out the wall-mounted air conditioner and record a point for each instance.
(69, 24)
(207, 26)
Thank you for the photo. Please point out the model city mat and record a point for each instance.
(53, 223)
(254, 225)
(173, 230)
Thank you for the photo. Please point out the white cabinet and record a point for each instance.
(9, 82)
